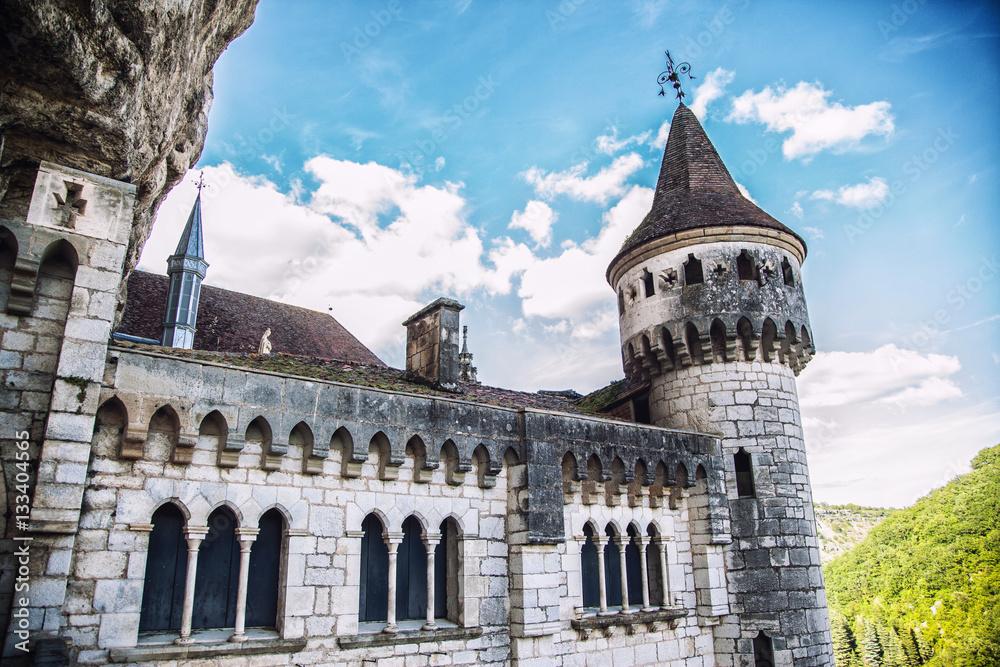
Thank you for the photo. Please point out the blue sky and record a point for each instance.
(369, 157)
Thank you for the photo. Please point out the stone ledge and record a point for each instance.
(588, 624)
(196, 651)
(408, 637)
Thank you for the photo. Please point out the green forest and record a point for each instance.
(924, 587)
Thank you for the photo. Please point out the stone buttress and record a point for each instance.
(713, 318)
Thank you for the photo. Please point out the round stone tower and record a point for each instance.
(713, 318)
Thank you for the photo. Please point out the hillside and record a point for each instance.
(924, 586)
(841, 527)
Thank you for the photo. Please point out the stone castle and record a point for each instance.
(172, 496)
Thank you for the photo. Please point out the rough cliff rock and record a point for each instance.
(119, 88)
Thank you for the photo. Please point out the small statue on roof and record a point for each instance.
(265, 343)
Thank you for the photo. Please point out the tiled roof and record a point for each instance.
(378, 376)
(695, 189)
(233, 322)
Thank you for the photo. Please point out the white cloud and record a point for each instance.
(862, 195)
(815, 233)
(536, 219)
(797, 211)
(815, 124)
(711, 89)
(609, 144)
(884, 427)
(648, 11)
(571, 285)
(660, 141)
(746, 193)
(888, 375)
(372, 243)
(439, 163)
(608, 182)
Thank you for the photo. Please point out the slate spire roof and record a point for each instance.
(695, 189)
(191, 243)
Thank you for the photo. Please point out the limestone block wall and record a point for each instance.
(64, 261)
(189, 433)
(388, 457)
(773, 565)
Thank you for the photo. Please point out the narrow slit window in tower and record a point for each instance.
(763, 651)
(647, 283)
(692, 271)
(621, 302)
(787, 273)
(744, 474)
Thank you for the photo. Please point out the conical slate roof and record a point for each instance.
(695, 189)
(191, 243)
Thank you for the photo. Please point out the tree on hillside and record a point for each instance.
(845, 648)
(925, 583)
(871, 647)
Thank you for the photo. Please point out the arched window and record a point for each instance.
(612, 569)
(654, 568)
(692, 271)
(374, 571)
(447, 574)
(633, 567)
(744, 474)
(763, 651)
(411, 573)
(218, 574)
(265, 567)
(166, 568)
(746, 267)
(588, 569)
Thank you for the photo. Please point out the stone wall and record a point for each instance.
(68, 251)
(391, 454)
(773, 565)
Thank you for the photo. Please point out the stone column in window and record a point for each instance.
(623, 541)
(431, 542)
(661, 544)
(195, 534)
(643, 542)
(393, 540)
(602, 584)
(246, 537)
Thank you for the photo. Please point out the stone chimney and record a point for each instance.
(432, 353)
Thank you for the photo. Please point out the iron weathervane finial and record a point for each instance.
(672, 75)
(201, 182)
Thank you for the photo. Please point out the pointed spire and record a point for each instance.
(695, 190)
(186, 268)
(191, 243)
